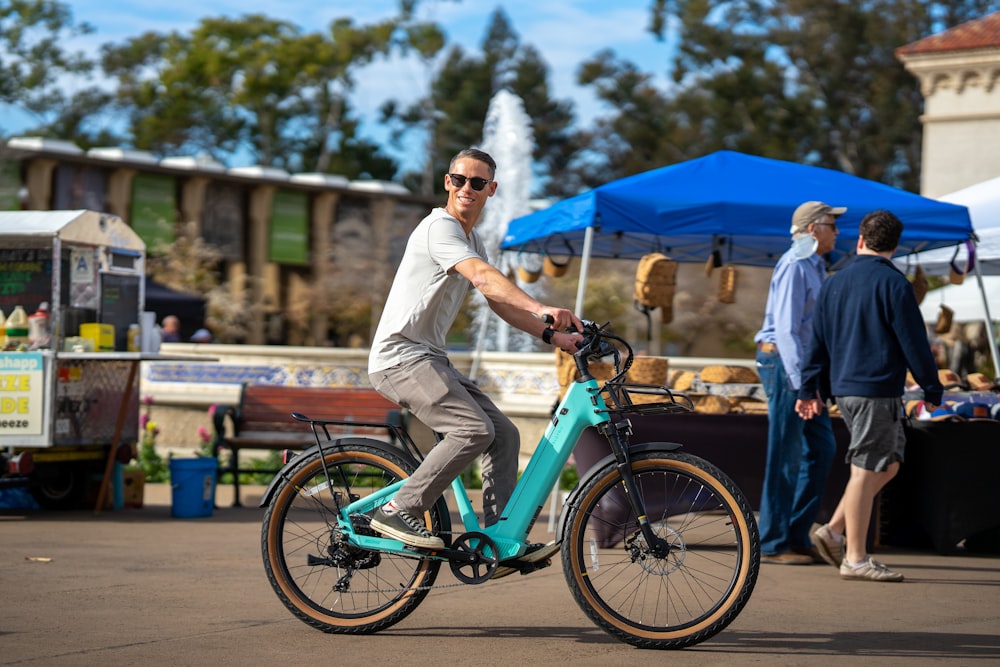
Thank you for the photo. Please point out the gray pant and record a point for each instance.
(451, 404)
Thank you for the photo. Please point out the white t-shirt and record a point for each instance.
(427, 292)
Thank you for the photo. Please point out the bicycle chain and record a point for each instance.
(417, 589)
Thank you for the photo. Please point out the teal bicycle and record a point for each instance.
(659, 548)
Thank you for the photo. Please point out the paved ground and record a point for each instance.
(136, 586)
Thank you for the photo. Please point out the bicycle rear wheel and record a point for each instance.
(671, 600)
(319, 577)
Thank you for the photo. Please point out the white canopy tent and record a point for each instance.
(965, 300)
(983, 202)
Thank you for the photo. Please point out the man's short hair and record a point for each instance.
(881, 231)
(475, 154)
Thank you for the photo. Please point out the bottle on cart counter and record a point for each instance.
(134, 339)
(16, 326)
(3, 330)
(39, 334)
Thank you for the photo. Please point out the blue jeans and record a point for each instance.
(799, 455)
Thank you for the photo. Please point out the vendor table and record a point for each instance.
(946, 490)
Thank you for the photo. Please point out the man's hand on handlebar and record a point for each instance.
(561, 320)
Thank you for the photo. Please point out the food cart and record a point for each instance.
(69, 398)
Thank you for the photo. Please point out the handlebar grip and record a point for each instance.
(548, 319)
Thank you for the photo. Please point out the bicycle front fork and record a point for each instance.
(618, 435)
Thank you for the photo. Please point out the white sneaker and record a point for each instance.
(869, 570)
(827, 545)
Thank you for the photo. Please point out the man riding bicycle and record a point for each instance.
(409, 365)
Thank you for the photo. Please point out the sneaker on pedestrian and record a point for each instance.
(401, 526)
(786, 558)
(827, 545)
(869, 570)
(535, 553)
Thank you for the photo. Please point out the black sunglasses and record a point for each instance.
(476, 183)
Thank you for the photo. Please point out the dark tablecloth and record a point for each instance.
(946, 490)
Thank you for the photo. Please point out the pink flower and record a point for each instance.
(204, 434)
(143, 420)
(148, 400)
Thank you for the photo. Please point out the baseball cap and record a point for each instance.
(810, 212)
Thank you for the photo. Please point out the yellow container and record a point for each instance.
(103, 335)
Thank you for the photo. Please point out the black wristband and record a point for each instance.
(547, 335)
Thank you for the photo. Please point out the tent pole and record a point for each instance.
(581, 287)
(989, 321)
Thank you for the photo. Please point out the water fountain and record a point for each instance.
(508, 137)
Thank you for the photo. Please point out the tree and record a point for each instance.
(808, 80)
(35, 66)
(251, 84)
(455, 109)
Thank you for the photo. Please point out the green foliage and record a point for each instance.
(460, 92)
(254, 84)
(157, 470)
(569, 478)
(802, 80)
(34, 66)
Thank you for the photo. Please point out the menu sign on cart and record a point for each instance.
(22, 376)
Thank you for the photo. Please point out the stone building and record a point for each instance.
(959, 74)
(283, 237)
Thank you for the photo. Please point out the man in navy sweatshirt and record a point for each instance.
(867, 330)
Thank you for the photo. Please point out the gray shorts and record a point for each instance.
(876, 426)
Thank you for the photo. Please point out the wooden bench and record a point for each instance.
(263, 420)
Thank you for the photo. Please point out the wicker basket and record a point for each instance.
(682, 380)
(648, 370)
(920, 284)
(727, 284)
(729, 374)
(750, 406)
(711, 404)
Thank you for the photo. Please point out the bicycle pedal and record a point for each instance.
(527, 568)
(539, 565)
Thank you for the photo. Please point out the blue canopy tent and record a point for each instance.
(739, 205)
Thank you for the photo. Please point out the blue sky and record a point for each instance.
(565, 32)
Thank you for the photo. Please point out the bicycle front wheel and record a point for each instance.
(317, 574)
(654, 597)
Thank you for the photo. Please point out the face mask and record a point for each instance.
(804, 247)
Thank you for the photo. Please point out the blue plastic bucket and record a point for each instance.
(192, 483)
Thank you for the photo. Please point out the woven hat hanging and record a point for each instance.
(944, 319)
(556, 265)
(714, 262)
(727, 284)
(920, 284)
(529, 267)
(956, 273)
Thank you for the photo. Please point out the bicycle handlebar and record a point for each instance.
(598, 343)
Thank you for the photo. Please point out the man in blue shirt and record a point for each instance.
(867, 330)
(799, 453)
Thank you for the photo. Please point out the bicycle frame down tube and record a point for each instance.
(582, 406)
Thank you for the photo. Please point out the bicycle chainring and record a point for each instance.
(484, 559)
